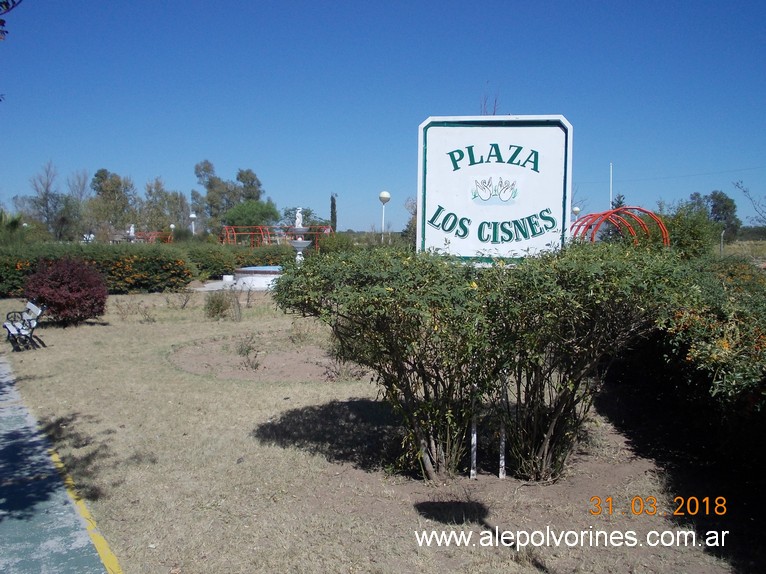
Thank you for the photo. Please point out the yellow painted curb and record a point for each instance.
(102, 547)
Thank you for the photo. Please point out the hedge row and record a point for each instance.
(214, 261)
(131, 268)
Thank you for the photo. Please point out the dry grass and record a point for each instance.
(755, 250)
(193, 463)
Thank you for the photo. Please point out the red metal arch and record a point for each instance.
(257, 235)
(588, 225)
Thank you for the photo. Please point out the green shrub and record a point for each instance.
(72, 290)
(223, 305)
(559, 319)
(334, 242)
(692, 233)
(717, 336)
(414, 320)
(529, 341)
(213, 261)
(141, 268)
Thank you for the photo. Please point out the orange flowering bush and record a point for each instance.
(718, 334)
(12, 272)
(125, 268)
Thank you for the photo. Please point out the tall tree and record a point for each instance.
(221, 195)
(721, 210)
(58, 213)
(66, 225)
(251, 189)
(199, 205)
(609, 231)
(333, 212)
(116, 204)
(77, 185)
(252, 212)
(46, 200)
(78, 195)
(161, 207)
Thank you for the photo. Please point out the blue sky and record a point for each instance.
(322, 98)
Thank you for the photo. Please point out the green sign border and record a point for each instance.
(497, 122)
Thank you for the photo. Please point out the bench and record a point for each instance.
(21, 325)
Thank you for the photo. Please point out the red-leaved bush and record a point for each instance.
(72, 290)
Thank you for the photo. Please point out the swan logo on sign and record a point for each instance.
(494, 187)
(504, 190)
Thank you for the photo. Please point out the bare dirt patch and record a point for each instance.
(195, 463)
(221, 359)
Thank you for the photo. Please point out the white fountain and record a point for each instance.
(298, 243)
(261, 277)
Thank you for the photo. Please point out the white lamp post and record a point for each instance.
(576, 212)
(384, 198)
(192, 216)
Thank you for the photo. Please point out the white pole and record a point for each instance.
(383, 224)
(501, 472)
(384, 198)
(474, 442)
(610, 185)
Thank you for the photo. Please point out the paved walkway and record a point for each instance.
(41, 529)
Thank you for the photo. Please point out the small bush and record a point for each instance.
(247, 348)
(179, 299)
(560, 319)
(222, 305)
(415, 321)
(335, 242)
(72, 290)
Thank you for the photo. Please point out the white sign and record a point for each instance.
(492, 186)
